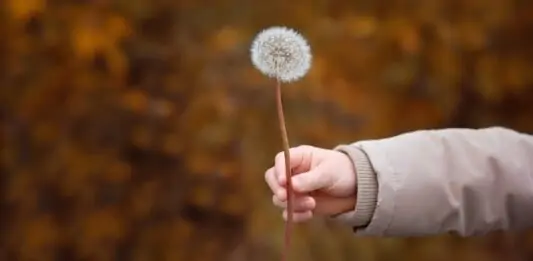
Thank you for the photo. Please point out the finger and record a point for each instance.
(273, 183)
(310, 181)
(300, 160)
(300, 204)
(298, 217)
(281, 193)
(328, 205)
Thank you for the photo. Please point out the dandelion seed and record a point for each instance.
(281, 53)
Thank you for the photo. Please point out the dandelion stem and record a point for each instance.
(285, 139)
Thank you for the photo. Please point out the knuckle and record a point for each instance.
(277, 202)
(279, 156)
(267, 174)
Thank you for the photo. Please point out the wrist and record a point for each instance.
(345, 205)
(366, 191)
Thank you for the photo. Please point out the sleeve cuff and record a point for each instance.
(367, 189)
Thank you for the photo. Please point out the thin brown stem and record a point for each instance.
(285, 139)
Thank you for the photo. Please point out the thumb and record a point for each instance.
(299, 159)
(312, 180)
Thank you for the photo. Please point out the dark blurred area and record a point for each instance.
(139, 129)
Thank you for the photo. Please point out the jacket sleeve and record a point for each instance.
(467, 181)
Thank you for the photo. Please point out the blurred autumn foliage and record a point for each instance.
(138, 129)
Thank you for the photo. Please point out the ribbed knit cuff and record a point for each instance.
(367, 189)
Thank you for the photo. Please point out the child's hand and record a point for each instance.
(324, 182)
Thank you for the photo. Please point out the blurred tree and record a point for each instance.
(138, 130)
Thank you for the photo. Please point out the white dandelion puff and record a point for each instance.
(281, 53)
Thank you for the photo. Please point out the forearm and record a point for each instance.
(430, 182)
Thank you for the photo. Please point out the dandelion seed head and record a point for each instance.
(281, 53)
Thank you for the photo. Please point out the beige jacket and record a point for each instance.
(436, 181)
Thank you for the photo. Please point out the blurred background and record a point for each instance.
(139, 129)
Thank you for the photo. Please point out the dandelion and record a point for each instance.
(282, 53)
